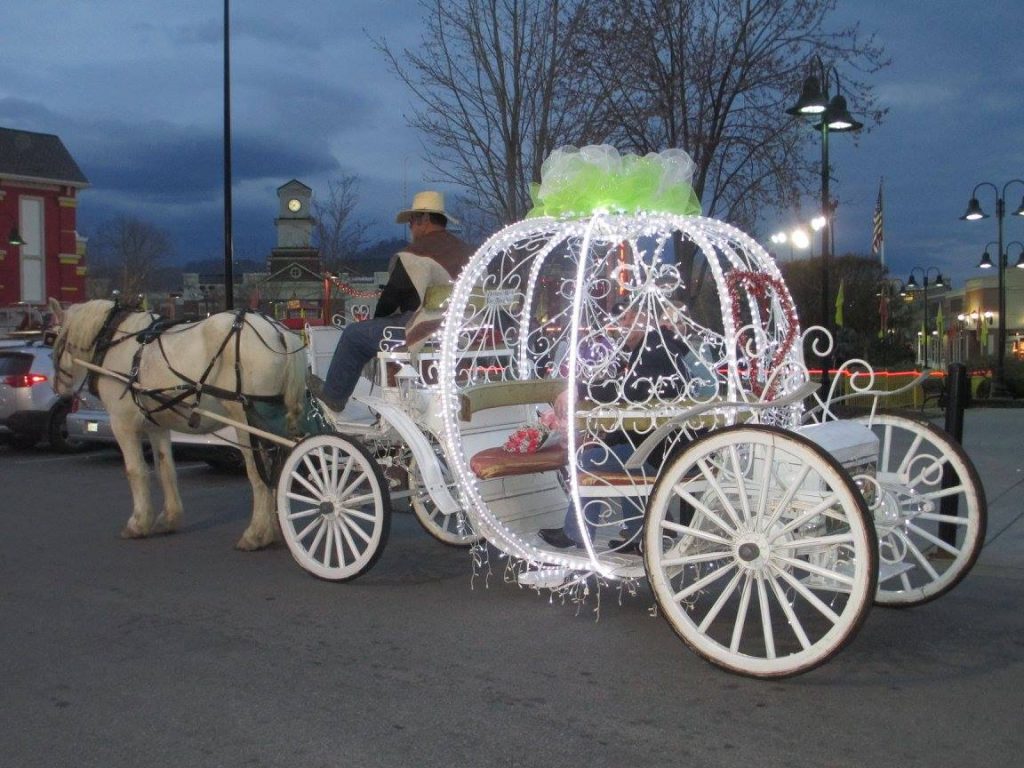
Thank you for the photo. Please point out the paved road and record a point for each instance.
(179, 651)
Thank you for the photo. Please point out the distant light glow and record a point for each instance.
(800, 238)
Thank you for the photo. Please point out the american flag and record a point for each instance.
(878, 231)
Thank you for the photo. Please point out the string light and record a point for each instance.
(509, 266)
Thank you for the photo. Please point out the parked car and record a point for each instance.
(30, 410)
(90, 423)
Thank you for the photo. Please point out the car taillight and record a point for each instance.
(24, 380)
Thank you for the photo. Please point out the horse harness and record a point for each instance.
(170, 398)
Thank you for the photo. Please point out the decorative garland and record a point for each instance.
(763, 288)
(355, 293)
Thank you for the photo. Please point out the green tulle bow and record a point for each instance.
(580, 182)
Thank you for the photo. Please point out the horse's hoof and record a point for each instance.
(132, 533)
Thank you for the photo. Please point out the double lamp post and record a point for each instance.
(975, 212)
(827, 115)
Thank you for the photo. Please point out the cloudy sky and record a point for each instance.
(134, 89)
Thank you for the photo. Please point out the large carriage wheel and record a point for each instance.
(760, 551)
(929, 509)
(453, 529)
(334, 507)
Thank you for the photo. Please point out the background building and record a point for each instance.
(41, 253)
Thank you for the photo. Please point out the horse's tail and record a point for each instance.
(295, 387)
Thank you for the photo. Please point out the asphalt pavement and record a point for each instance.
(180, 651)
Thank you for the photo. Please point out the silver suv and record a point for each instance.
(30, 410)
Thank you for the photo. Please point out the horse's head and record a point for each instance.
(76, 328)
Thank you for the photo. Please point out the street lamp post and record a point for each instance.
(974, 212)
(912, 286)
(832, 116)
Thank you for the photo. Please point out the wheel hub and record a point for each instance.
(326, 507)
(749, 551)
(752, 551)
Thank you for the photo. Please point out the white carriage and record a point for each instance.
(765, 526)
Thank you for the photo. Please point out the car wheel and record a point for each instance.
(58, 433)
(226, 460)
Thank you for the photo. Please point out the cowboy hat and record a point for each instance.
(425, 202)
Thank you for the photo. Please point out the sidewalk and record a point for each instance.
(994, 439)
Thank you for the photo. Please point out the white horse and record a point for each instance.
(216, 364)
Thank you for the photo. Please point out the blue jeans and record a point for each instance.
(608, 459)
(359, 344)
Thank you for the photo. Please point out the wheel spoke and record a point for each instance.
(698, 585)
(695, 532)
(939, 494)
(301, 513)
(351, 526)
(796, 522)
(791, 617)
(353, 512)
(317, 494)
(817, 570)
(762, 499)
(919, 556)
(713, 482)
(321, 530)
(693, 501)
(346, 527)
(741, 486)
(817, 541)
(363, 477)
(305, 531)
(934, 539)
(314, 474)
(783, 504)
(766, 619)
(951, 519)
(807, 594)
(704, 557)
(723, 598)
(328, 544)
(741, 616)
(908, 457)
(303, 499)
(338, 546)
(346, 472)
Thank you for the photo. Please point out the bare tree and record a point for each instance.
(337, 232)
(128, 252)
(715, 77)
(496, 81)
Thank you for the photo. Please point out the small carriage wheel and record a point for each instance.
(334, 507)
(773, 567)
(454, 529)
(929, 508)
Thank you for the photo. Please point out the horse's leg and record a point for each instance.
(263, 526)
(170, 518)
(129, 440)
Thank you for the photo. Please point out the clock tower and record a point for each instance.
(295, 284)
(294, 220)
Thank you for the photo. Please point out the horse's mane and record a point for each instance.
(84, 321)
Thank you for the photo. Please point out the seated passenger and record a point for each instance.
(433, 254)
(661, 366)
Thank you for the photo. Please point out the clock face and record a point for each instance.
(294, 205)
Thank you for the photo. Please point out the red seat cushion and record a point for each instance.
(497, 462)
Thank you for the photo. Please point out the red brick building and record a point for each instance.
(41, 253)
